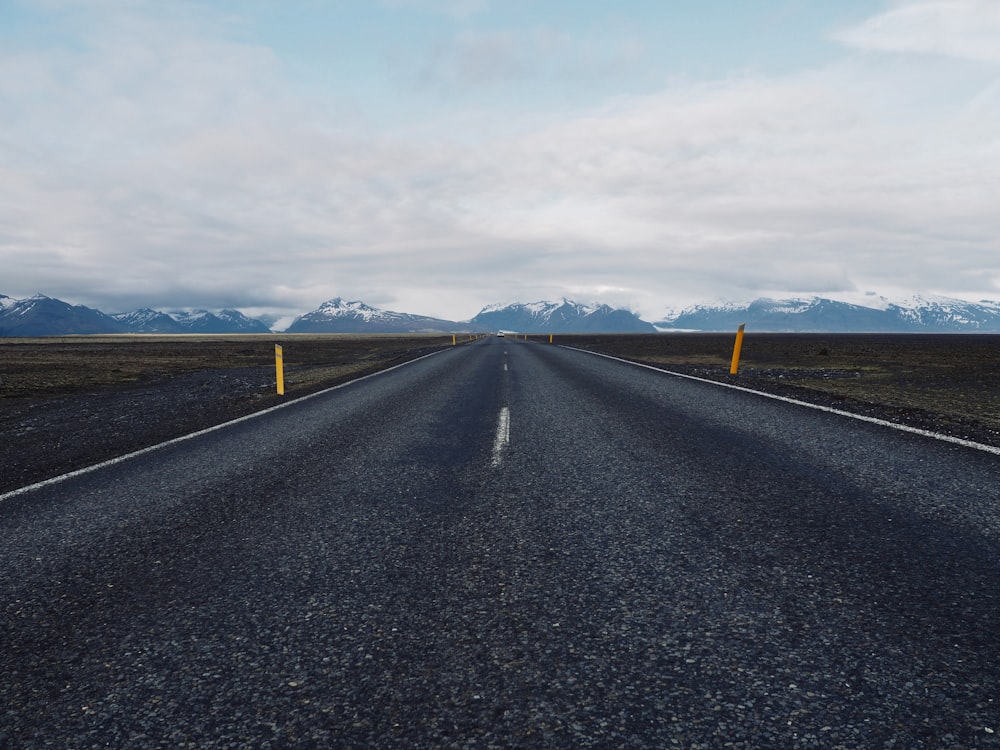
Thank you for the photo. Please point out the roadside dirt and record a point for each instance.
(944, 383)
(71, 402)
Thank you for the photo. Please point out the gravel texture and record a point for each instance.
(947, 384)
(77, 425)
(942, 383)
(654, 563)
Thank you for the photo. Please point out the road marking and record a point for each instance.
(199, 433)
(505, 367)
(829, 410)
(502, 439)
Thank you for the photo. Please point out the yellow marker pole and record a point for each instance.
(735, 366)
(279, 368)
(453, 340)
(550, 338)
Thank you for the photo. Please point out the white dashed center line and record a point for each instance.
(502, 439)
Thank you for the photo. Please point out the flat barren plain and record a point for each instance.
(67, 402)
(940, 382)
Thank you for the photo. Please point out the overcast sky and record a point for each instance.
(435, 156)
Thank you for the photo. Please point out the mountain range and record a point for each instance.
(563, 316)
(193, 321)
(45, 316)
(340, 316)
(919, 314)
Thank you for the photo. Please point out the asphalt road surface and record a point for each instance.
(511, 544)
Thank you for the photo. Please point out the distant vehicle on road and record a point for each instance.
(501, 334)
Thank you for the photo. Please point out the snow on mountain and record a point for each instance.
(562, 316)
(222, 321)
(339, 308)
(946, 313)
(241, 323)
(39, 315)
(146, 320)
(866, 312)
(931, 314)
(341, 316)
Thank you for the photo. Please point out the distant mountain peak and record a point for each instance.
(858, 312)
(147, 320)
(340, 316)
(561, 316)
(917, 313)
(221, 321)
(39, 315)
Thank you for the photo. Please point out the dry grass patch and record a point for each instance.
(61, 365)
(956, 377)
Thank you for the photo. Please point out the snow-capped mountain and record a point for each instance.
(146, 320)
(44, 316)
(944, 313)
(819, 314)
(340, 316)
(564, 316)
(869, 313)
(222, 321)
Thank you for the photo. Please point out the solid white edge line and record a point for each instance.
(839, 412)
(174, 441)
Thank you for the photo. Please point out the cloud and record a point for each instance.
(967, 29)
(752, 182)
(162, 160)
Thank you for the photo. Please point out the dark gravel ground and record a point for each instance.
(942, 383)
(49, 433)
(46, 437)
(948, 384)
(784, 382)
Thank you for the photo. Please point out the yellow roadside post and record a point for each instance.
(550, 338)
(735, 366)
(453, 341)
(279, 368)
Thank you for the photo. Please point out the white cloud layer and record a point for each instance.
(968, 29)
(159, 159)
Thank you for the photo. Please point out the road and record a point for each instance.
(511, 544)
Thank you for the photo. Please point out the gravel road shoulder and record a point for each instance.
(45, 436)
